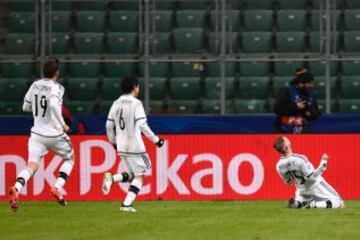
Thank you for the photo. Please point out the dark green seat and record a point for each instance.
(60, 44)
(13, 89)
(213, 88)
(279, 83)
(125, 5)
(318, 68)
(185, 88)
(186, 69)
(62, 5)
(122, 43)
(20, 44)
(295, 4)
(322, 105)
(352, 19)
(156, 69)
(286, 67)
(119, 69)
(11, 107)
(91, 5)
(18, 70)
(157, 87)
(349, 105)
(164, 5)
(258, 20)
(21, 22)
(22, 5)
(254, 106)
(60, 21)
(84, 69)
(233, 20)
(211, 107)
(189, 40)
(190, 18)
(90, 21)
(193, 5)
(213, 69)
(160, 43)
(124, 21)
(232, 42)
(163, 21)
(157, 107)
(80, 107)
(88, 43)
(256, 42)
(351, 68)
(105, 106)
(352, 41)
(254, 68)
(254, 87)
(320, 87)
(315, 44)
(183, 106)
(315, 19)
(290, 42)
(258, 4)
(350, 87)
(291, 20)
(82, 88)
(353, 4)
(111, 88)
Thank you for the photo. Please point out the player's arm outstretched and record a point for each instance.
(322, 166)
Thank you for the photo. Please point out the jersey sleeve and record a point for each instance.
(27, 105)
(56, 94)
(306, 167)
(141, 120)
(110, 125)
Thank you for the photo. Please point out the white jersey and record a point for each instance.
(44, 99)
(297, 167)
(128, 115)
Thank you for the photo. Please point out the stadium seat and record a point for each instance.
(315, 19)
(90, 21)
(254, 87)
(163, 21)
(11, 107)
(189, 40)
(125, 5)
(22, 5)
(213, 88)
(157, 88)
(349, 106)
(315, 42)
(254, 68)
(286, 68)
(258, 4)
(84, 69)
(232, 42)
(156, 69)
(258, 20)
(351, 68)
(156, 107)
(213, 69)
(118, 69)
(60, 21)
(21, 22)
(17, 70)
(352, 41)
(320, 87)
(88, 43)
(185, 88)
(193, 5)
(20, 44)
(211, 107)
(352, 19)
(91, 5)
(111, 88)
(295, 4)
(60, 43)
(186, 69)
(233, 20)
(190, 18)
(291, 20)
(82, 88)
(318, 68)
(183, 106)
(254, 106)
(80, 107)
(353, 4)
(13, 89)
(290, 42)
(124, 21)
(105, 106)
(122, 43)
(256, 42)
(322, 105)
(350, 87)
(163, 5)
(160, 43)
(61, 5)
(279, 83)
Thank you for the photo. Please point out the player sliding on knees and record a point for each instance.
(44, 99)
(125, 123)
(312, 191)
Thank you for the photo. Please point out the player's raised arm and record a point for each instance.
(322, 166)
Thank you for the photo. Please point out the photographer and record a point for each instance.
(296, 105)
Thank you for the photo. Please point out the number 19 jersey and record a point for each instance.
(38, 97)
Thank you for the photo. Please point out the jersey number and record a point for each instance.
(42, 103)
(121, 120)
(294, 174)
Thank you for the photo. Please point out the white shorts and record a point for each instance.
(39, 146)
(322, 191)
(137, 164)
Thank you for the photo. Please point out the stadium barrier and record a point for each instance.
(188, 167)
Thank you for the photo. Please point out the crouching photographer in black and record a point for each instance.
(296, 104)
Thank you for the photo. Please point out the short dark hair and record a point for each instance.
(128, 84)
(51, 66)
(279, 144)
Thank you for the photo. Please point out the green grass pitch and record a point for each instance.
(178, 220)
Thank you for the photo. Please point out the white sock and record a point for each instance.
(64, 173)
(121, 177)
(134, 189)
(332, 203)
(22, 179)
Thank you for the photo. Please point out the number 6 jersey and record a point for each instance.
(44, 99)
(128, 117)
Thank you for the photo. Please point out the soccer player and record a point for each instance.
(312, 191)
(44, 99)
(125, 123)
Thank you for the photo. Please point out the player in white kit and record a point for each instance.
(126, 121)
(44, 99)
(312, 191)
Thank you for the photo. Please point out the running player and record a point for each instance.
(125, 123)
(44, 99)
(312, 191)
